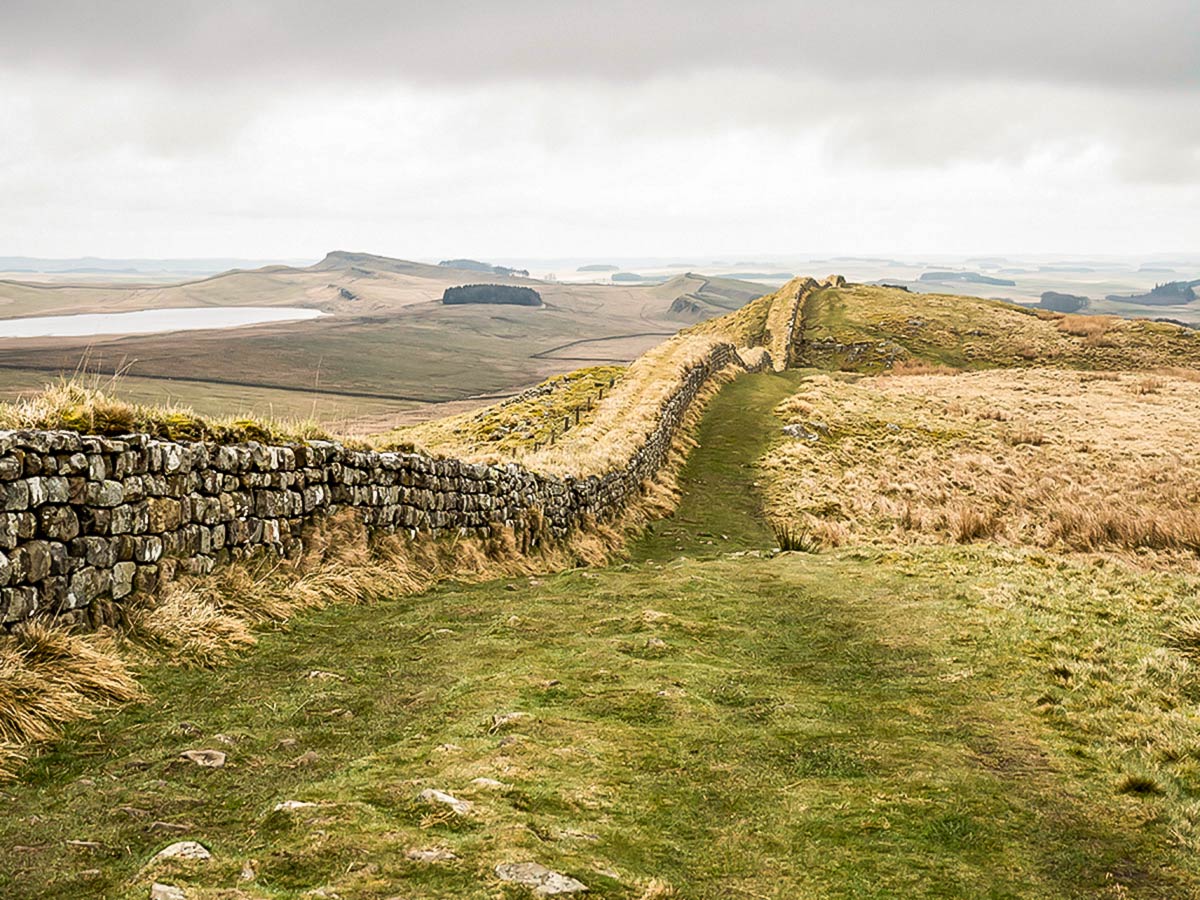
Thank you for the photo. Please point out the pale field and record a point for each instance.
(1064, 460)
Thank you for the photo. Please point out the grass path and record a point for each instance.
(842, 725)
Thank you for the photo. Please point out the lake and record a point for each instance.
(151, 321)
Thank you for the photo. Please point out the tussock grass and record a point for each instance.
(49, 677)
(968, 523)
(798, 538)
(1148, 385)
(1085, 326)
(86, 405)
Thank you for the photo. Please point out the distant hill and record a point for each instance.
(967, 277)
(699, 297)
(764, 276)
(474, 265)
(99, 266)
(1173, 293)
(1063, 303)
(598, 267)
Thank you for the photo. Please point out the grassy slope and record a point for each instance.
(854, 724)
(532, 417)
(866, 329)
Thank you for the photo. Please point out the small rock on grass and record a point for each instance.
(489, 783)
(289, 805)
(183, 850)
(209, 759)
(430, 795)
(544, 882)
(430, 854)
(166, 892)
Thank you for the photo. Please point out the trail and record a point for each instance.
(719, 508)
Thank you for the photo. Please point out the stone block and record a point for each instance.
(104, 494)
(163, 514)
(122, 579)
(58, 523)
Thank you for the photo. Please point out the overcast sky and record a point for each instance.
(542, 129)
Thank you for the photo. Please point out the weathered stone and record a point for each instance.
(31, 561)
(292, 805)
(104, 494)
(11, 467)
(208, 759)
(164, 514)
(122, 579)
(160, 891)
(15, 495)
(183, 850)
(87, 584)
(58, 523)
(19, 602)
(8, 530)
(460, 807)
(430, 854)
(544, 882)
(146, 579)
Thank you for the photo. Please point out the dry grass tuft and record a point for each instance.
(49, 677)
(1148, 385)
(1024, 434)
(190, 629)
(1092, 528)
(657, 889)
(1085, 326)
(968, 523)
(1184, 634)
(11, 760)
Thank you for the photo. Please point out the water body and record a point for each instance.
(151, 321)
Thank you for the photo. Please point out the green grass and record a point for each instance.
(861, 724)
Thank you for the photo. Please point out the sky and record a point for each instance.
(539, 130)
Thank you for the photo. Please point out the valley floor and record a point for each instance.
(704, 721)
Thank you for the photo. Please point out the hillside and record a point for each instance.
(866, 328)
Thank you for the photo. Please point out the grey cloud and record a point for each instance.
(1113, 42)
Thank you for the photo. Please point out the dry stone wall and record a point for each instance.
(85, 521)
